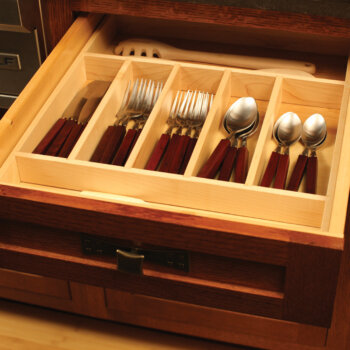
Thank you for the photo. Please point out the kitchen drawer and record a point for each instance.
(252, 250)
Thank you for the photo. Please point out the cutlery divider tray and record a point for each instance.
(275, 94)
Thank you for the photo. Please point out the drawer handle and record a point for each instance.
(129, 262)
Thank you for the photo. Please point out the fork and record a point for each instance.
(174, 152)
(145, 104)
(133, 105)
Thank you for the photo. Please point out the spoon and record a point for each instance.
(313, 136)
(240, 116)
(286, 131)
(241, 153)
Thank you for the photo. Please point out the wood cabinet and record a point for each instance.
(233, 262)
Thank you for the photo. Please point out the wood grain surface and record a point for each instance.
(24, 327)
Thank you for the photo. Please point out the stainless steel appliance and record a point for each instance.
(22, 46)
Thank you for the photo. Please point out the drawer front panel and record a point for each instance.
(290, 292)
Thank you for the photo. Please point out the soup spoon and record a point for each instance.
(239, 117)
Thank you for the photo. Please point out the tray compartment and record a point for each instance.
(186, 77)
(106, 116)
(238, 85)
(81, 72)
(305, 97)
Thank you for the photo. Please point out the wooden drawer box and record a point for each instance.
(250, 250)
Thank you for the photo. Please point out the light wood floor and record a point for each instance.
(24, 327)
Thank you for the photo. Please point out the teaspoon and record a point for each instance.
(286, 131)
(313, 136)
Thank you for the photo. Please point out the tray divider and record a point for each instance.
(155, 123)
(213, 121)
(260, 157)
(339, 180)
(97, 123)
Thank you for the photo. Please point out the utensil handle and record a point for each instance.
(297, 173)
(138, 133)
(241, 164)
(44, 144)
(123, 151)
(96, 156)
(311, 175)
(187, 157)
(158, 152)
(270, 170)
(212, 165)
(179, 154)
(228, 164)
(173, 143)
(238, 60)
(282, 171)
(71, 140)
(60, 138)
(113, 144)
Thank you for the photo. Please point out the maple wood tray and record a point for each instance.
(275, 94)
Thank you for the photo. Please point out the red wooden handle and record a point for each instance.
(311, 175)
(188, 154)
(297, 173)
(173, 143)
(228, 164)
(158, 152)
(113, 144)
(270, 170)
(179, 154)
(96, 156)
(214, 162)
(138, 132)
(71, 140)
(282, 171)
(123, 151)
(44, 144)
(60, 138)
(241, 165)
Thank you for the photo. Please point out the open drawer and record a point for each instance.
(250, 249)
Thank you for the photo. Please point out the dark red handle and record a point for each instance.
(270, 170)
(123, 151)
(138, 133)
(228, 164)
(297, 173)
(188, 154)
(71, 140)
(44, 144)
(173, 143)
(282, 171)
(60, 138)
(311, 175)
(179, 154)
(241, 165)
(214, 162)
(113, 144)
(107, 135)
(158, 152)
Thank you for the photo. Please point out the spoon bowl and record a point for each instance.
(289, 129)
(314, 131)
(241, 115)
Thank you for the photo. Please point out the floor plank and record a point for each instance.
(24, 327)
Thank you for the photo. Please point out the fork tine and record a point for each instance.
(192, 107)
(126, 96)
(133, 94)
(149, 97)
(185, 103)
